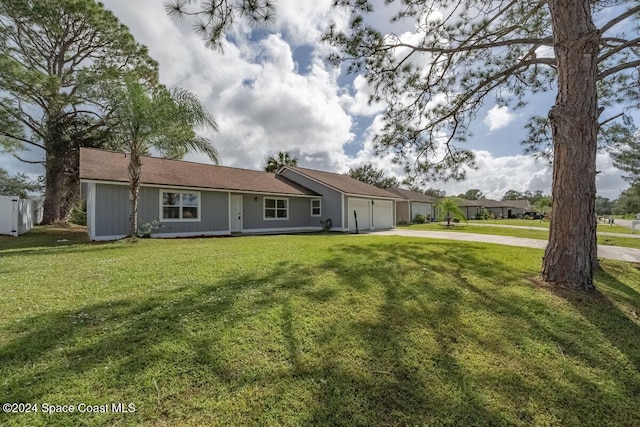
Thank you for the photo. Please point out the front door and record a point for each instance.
(236, 213)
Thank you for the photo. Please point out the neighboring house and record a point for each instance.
(413, 203)
(505, 208)
(195, 199)
(519, 206)
(499, 208)
(470, 208)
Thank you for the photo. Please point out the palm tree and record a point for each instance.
(146, 117)
(282, 159)
(449, 209)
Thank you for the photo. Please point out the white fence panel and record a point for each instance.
(9, 215)
(17, 216)
(25, 215)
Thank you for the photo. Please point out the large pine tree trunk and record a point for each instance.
(571, 254)
(54, 189)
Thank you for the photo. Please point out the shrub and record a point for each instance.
(419, 219)
(145, 230)
(78, 214)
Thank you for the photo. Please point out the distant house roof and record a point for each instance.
(342, 183)
(412, 196)
(518, 204)
(100, 165)
(466, 202)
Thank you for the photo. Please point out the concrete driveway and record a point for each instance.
(611, 252)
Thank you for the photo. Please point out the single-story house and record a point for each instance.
(412, 204)
(499, 208)
(505, 208)
(195, 199)
(470, 208)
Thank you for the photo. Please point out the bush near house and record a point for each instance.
(419, 219)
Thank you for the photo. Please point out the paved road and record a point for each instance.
(611, 252)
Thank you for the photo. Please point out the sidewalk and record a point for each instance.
(611, 252)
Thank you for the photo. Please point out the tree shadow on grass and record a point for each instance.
(617, 323)
(446, 387)
(374, 333)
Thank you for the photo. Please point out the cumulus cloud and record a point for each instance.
(498, 117)
(263, 104)
(496, 175)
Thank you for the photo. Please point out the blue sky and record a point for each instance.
(272, 91)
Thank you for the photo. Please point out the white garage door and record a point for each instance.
(421, 208)
(362, 208)
(382, 214)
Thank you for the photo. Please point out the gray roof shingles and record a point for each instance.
(413, 196)
(343, 183)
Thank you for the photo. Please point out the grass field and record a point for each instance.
(532, 233)
(536, 223)
(311, 330)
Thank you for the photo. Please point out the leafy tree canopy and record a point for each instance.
(449, 209)
(17, 185)
(283, 158)
(152, 116)
(629, 201)
(473, 194)
(373, 176)
(51, 54)
(604, 206)
(627, 157)
(213, 19)
(434, 192)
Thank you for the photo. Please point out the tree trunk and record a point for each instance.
(571, 254)
(54, 189)
(72, 180)
(135, 172)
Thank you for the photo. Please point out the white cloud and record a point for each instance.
(263, 105)
(498, 117)
(496, 175)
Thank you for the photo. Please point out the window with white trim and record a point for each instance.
(316, 207)
(180, 206)
(276, 208)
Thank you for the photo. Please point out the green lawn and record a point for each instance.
(311, 330)
(602, 227)
(473, 227)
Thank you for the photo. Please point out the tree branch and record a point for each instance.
(626, 44)
(610, 119)
(31, 162)
(619, 19)
(18, 138)
(618, 68)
